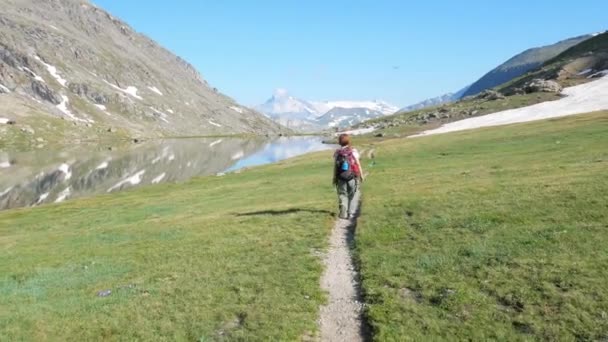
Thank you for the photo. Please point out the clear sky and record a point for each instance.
(396, 50)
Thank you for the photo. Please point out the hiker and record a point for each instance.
(348, 176)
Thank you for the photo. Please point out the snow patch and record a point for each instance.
(33, 74)
(237, 109)
(5, 191)
(238, 155)
(159, 178)
(63, 107)
(101, 107)
(584, 98)
(129, 90)
(102, 166)
(5, 165)
(53, 71)
(599, 74)
(4, 89)
(214, 123)
(63, 195)
(65, 168)
(4, 121)
(161, 115)
(42, 198)
(133, 180)
(154, 89)
(215, 142)
(170, 111)
(359, 131)
(584, 72)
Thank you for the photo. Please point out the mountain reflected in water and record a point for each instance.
(39, 177)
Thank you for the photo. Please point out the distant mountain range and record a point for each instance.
(436, 101)
(306, 115)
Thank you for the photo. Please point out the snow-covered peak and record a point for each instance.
(282, 103)
(280, 93)
(375, 105)
(285, 108)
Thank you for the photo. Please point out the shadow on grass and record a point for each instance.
(286, 212)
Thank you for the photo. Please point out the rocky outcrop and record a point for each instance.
(543, 86)
(489, 95)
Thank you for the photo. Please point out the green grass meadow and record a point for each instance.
(497, 233)
(219, 258)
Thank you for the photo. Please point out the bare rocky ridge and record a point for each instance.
(70, 61)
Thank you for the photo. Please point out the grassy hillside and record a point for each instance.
(521, 64)
(566, 68)
(597, 44)
(401, 124)
(495, 233)
(490, 234)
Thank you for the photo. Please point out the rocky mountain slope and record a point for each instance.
(70, 70)
(539, 92)
(436, 101)
(345, 117)
(580, 63)
(306, 115)
(521, 64)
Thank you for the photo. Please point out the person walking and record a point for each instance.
(348, 176)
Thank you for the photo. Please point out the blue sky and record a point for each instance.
(399, 51)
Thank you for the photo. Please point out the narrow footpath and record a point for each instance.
(342, 317)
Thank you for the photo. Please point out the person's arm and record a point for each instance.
(357, 156)
(335, 180)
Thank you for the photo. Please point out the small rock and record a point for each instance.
(28, 130)
(380, 135)
(111, 130)
(39, 140)
(490, 95)
(104, 293)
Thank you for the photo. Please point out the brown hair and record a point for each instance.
(344, 140)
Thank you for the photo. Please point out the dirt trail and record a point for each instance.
(342, 317)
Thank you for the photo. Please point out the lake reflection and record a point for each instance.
(39, 177)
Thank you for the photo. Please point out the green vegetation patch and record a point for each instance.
(497, 233)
